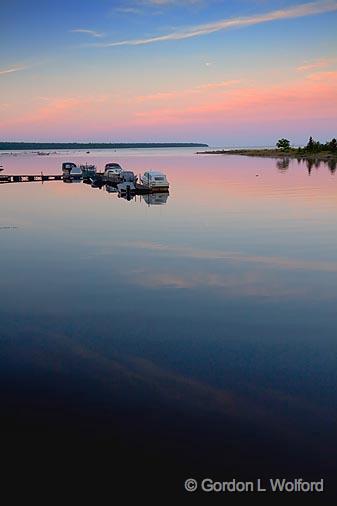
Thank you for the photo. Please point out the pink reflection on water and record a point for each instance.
(212, 181)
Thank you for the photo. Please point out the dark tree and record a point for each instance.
(333, 145)
(283, 144)
(311, 144)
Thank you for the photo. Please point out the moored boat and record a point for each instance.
(112, 172)
(71, 171)
(88, 171)
(155, 180)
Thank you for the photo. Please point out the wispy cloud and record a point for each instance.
(323, 76)
(140, 7)
(303, 100)
(128, 10)
(93, 33)
(12, 69)
(170, 2)
(214, 86)
(54, 109)
(165, 95)
(323, 62)
(297, 11)
(311, 66)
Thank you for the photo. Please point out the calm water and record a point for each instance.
(188, 336)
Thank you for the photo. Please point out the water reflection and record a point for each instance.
(126, 195)
(156, 199)
(69, 180)
(111, 189)
(151, 199)
(332, 165)
(283, 164)
(207, 326)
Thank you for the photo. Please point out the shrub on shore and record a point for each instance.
(312, 147)
(317, 147)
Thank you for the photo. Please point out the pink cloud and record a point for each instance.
(228, 104)
(157, 96)
(323, 76)
(169, 95)
(313, 65)
(57, 109)
(312, 97)
(214, 86)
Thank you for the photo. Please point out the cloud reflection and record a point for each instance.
(128, 376)
(255, 283)
(231, 256)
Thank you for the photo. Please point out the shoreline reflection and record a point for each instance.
(283, 164)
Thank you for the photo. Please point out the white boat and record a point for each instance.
(112, 172)
(155, 180)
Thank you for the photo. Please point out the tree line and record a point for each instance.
(312, 146)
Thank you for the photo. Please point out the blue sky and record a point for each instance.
(77, 54)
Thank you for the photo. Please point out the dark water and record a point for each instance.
(144, 343)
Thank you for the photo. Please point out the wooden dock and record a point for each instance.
(4, 178)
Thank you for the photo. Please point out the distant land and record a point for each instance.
(314, 150)
(273, 153)
(11, 146)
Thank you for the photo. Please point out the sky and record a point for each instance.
(224, 72)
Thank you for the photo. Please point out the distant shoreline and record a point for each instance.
(273, 153)
(29, 146)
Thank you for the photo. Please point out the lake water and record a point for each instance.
(188, 336)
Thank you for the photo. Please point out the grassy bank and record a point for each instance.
(275, 153)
